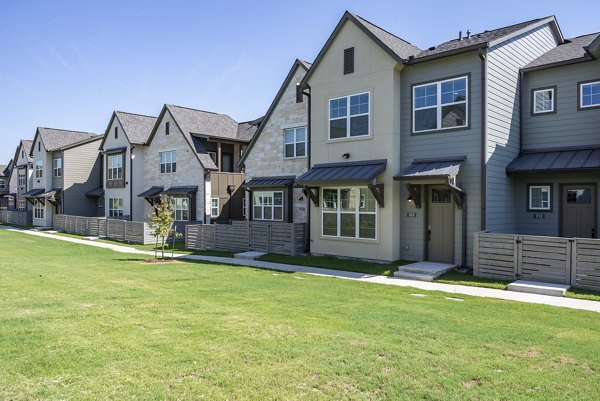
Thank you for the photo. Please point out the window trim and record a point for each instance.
(348, 137)
(262, 218)
(111, 207)
(212, 206)
(39, 163)
(466, 75)
(110, 170)
(172, 163)
(173, 201)
(550, 198)
(580, 106)
(356, 212)
(54, 168)
(533, 93)
(296, 142)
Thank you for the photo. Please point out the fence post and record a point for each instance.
(518, 259)
(476, 254)
(573, 260)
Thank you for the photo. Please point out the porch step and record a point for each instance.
(534, 287)
(250, 255)
(423, 271)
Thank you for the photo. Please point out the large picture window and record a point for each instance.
(294, 141)
(349, 116)
(114, 167)
(440, 105)
(349, 213)
(38, 210)
(181, 208)
(589, 94)
(539, 197)
(168, 162)
(267, 205)
(39, 168)
(115, 207)
(57, 168)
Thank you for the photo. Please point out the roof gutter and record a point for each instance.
(478, 46)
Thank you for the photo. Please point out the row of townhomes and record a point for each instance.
(384, 150)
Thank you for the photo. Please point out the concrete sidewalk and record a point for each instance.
(369, 278)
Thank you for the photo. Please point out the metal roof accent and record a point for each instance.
(151, 193)
(95, 193)
(51, 193)
(361, 172)
(113, 151)
(265, 182)
(555, 161)
(430, 169)
(181, 190)
(33, 193)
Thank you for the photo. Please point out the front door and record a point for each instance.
(440, 225)
(579, 211)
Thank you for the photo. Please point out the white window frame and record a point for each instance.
(294, 142)
(348, 118)
(339, 212)
(57, 170)
(581, 85)
(262, 195)
(553, 100)
(214, 207)
(39, 169)
(544, 189)
(115, 207)
(171, 163)
(181, 209)
(21, 177)
(38, 209)
(438, 106)
(115, 172)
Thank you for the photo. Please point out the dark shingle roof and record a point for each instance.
(398, 45)
(3, 170)
(571, 50)
(137, 127)
(246, 130)
(26, 143)
(202, 153)
(55, 139)
(476, 39)
(204, 123)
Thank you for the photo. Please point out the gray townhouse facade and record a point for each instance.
(22, 174)
(66, 166)
(6, 196)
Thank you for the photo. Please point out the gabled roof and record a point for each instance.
(297, 64)
(58, 139)
(485, 39)
(398, 48)
(3, 170)
(26, 144)
(136, 127)
(572, 51)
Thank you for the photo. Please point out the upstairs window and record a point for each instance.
(349, 116)
(57, 168)
(21, 177)
(539, 197)
(440, 105)
(349, 60)
(114, 167)
(168, 162)
(213, 156)
(589, 95)
(294, 142)
(2, 183)
(543, 101)
(116, 132)
(39, 168)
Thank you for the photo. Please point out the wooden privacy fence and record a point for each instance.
(240, 236)
(135, 232)
(16, 217)
(573, 261)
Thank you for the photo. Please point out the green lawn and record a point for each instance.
(82, 323)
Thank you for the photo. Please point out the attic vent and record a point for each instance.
(432, 48)
(116, 132)
(167, 126)
(349, 60)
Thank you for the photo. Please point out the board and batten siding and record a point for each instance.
(460, 142)
(503, 119)
(81, 173)
(569, 126)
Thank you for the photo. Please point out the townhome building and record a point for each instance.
(6, 197)
(277, 155)
(123, 148)
(409, 147)
(22, 174)
(555, 179)
(66, 166)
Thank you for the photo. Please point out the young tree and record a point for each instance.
(161, 221)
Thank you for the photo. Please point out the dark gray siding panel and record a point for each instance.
(57, 182)
(81, 173)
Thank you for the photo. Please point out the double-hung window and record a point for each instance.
(349, 213)
(168, 162)
(114, 167)
(214, 207)
(39, 168)
(294, 141)
(21, 204)
(543, 101)
(21, 177)
(589, 94)
(441, 105)
(115, 207)
(181, 208)
(539, 197)
(349, 116)
(57, 168)
(267, 205)
(2, 183)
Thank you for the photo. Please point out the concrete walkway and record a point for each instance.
(572, 303)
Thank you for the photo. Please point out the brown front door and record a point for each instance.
(440, 225)
(579, 211)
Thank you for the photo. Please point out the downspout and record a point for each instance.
(308, 138)
(206, 173)
(131, 156)
(521, 113)
(484, 136)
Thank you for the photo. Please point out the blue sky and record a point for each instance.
(69, 64)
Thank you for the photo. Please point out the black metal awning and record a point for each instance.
(151, 193)
(95, 193)
(112, 151)
(431, 169)
(361, 172)
(271, 182)
(181, 190)
(579, 160)
(34, 193)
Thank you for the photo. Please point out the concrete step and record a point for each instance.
(250, 255)
(436, 269)
(534, 287)
(414, 276)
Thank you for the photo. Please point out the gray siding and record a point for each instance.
(81, 173)
(463, 142)
(503, 119)
(57, 182)
(568, 126)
